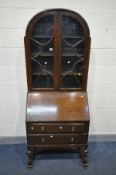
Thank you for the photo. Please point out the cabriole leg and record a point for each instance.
(30, 157)
(83, 153)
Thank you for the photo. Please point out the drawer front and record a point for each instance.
(36, 128)
(49, 139)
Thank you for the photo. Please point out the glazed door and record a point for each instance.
(57, 52)
(72, 53)
(42, 53)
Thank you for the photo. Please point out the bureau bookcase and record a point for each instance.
(57, 47)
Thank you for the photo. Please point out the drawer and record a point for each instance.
(36, 128)
(48, 139)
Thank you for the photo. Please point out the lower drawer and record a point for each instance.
(57, 139)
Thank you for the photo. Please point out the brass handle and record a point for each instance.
(73, 128)
(72, 139)
(60, 127)
(43, 140)
(29, 152)
(32, 127)
(51, 136)
(78, 74)
(42, 128)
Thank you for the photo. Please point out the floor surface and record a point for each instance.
(102, 161)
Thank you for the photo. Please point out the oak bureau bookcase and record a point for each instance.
(57, 46)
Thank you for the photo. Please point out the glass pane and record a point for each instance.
(42, 53)
(71, 27)
(72, 53)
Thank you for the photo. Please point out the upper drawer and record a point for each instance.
(36, 128)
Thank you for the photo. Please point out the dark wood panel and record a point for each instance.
(59, 147)
(57, 106)
(57, 127)
(57, 139)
